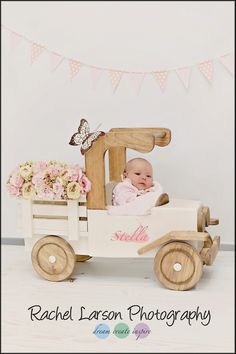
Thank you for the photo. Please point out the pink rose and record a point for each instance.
(13, 190)
(38, 179)
(42, 164)
(72, 174)
(85, 184)
(16, 181)
(58, 190)
(53, 171)
(45, 192)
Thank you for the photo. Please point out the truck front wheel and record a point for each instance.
(178, 266)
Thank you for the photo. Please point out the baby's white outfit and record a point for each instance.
(129, 200)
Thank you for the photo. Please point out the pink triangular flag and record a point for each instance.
(96, 74)
(74, 67)
(206, 69)
(184, 75)
(36, 51)
(115, 77)
(228, 61)
(56, 60)
(137, 80)
(161, 77)
(15, 39)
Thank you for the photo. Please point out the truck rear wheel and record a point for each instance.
(53, 258)
(178, 266)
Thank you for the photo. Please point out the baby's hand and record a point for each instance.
(144, 191)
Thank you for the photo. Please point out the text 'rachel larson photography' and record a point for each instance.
(132, 313)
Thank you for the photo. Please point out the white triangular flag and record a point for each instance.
(115, 77)
(36, 51)
(184, 76)
(161, 77)
(228, 62)
(137, 80)
(206, 69)
(74, 67)
(56, 60)
(15, 39)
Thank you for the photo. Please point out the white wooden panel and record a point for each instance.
(83, 226)
(73, 217)
(59, 210)
(177, 215)
(19, 217)
(50, 224)
(49, 209)
(46, 232)
(27, 227)
(38, 217)
(82, 211)
(57, 225)
(81, 247)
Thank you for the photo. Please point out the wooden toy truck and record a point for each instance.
(59, 233)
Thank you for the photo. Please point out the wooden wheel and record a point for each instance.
(82, 258)
(53, 258)
(178, 266)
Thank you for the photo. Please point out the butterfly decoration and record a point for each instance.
(83, 136)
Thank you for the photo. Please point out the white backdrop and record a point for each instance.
(41, 110)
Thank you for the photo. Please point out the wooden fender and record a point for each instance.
(53, 258)
(82, 258)
(207, 254)
(177, 236)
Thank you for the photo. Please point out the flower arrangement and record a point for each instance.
(48, 180)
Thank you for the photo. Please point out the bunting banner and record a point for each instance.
(184, 76)
(15, 39)
(161, 77)
(115, 77)
(74, 67)
(228, 61)
(56, 60)
(206, 67)
(36, 51)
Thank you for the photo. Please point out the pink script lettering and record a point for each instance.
(139, 235)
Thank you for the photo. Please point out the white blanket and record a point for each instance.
(140, 206)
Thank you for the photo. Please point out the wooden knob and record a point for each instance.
(206, 213)
(201, 222)
(214, 222)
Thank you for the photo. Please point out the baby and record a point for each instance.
(137, 181)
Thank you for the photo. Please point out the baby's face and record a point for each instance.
(140, 174)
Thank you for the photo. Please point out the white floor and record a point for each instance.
(114, 285)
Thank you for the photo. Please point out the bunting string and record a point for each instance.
(115, 75)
